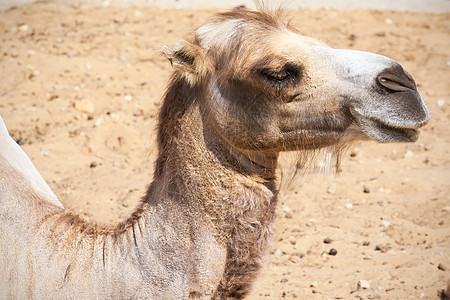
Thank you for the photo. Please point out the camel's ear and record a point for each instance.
(185, 57)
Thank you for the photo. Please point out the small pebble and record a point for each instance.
(383, 248)
(313, 284)
(366, 243)
(366, 190)
(388, 21)
(332, 251)
(331, 189)
(352, 37)
(93, 164)
(24, 27)
(99, 122)
(19, 142)
(409, 154)
(299, 254)
(44, 151)
(295, 259)
(327, 240)
(363, 284)
(440, 102)
(292, 240)
(84, 106)
(278, 252)
(287, 212)
(349, 205)
(385, 223)
(442, 267)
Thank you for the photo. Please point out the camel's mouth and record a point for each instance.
(385, 132)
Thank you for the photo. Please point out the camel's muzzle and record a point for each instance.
(382, 97)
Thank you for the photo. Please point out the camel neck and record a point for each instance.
(196, 168)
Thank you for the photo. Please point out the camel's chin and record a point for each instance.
(387, 133)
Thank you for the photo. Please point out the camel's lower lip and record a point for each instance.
(396, 134)
(385, 132)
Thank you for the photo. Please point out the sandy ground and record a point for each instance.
(80, 88)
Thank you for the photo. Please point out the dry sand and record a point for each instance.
(80, 88)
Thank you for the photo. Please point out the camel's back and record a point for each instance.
(17, 170)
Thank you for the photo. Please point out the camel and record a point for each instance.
(246, 86)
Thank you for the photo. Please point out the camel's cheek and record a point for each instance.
(244, 121)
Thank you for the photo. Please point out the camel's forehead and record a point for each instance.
(287, 41)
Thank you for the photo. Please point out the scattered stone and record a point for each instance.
(292, 240)
(349, 205)
(299, 254)
(388, 21)
(366, 190)
(327, 240)
(53, 97)
(19, 142)
(99, 121)
(409, 154)
(310, 223)
(284, 280)
(24, 27)
(93, 164)
(313, 284)
(294, 258)
(121, 57)
(352, 37)
(278, 252)
(440, 102)
(331, 189)
(362, 285)
(287, 212)
(442, 267)
(128, 97)
(385, 223)
(44, 151)
(332, 252)
(382, 248)
(84, 106)
(366, 243)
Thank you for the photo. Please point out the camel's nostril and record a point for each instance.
(392, 85)
(396, 80)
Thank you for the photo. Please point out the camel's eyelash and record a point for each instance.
(285, 74)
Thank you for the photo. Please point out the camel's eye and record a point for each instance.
(276, 76)
(286, 74)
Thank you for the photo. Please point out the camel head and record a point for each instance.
(264, 86)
